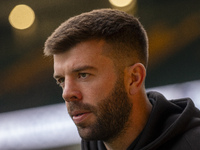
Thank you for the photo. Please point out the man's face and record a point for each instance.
(94, 94)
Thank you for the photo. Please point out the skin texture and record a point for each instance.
(104, 104)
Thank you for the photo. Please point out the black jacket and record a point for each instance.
(172, 125)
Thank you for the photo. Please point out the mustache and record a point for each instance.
(74, 106)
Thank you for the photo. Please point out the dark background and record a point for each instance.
(26, 81)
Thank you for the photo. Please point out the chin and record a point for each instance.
(85, 133)
(88, 134)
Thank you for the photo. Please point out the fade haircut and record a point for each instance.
(123, 33)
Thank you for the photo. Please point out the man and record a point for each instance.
(100, 61)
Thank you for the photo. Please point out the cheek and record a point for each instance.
(100, 89)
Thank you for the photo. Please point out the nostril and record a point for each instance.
(72, 96)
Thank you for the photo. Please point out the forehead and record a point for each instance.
(84, 53)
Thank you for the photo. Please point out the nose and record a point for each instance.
(71, 92)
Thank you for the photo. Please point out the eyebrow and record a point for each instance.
(82, 68)
(77, 69)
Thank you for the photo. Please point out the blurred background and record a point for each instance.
(29, 96)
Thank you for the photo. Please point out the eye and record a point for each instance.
(60, 81)
(83, 75)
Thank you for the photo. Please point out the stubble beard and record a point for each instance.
(112, 115)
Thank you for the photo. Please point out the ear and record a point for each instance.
(135, 77)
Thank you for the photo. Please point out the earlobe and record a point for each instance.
(137, 73)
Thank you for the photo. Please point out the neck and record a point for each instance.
(137, 121)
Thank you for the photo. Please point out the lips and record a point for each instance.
(80, 116)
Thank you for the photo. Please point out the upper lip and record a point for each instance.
(78, 112)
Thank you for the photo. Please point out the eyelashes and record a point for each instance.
(80, 76)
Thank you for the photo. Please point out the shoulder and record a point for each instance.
(186, 141)
(192, 137)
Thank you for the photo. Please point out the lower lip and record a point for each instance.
(80, 118)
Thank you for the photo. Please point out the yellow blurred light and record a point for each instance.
(120, 3)
(21, 17)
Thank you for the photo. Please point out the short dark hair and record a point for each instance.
(123, 32)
